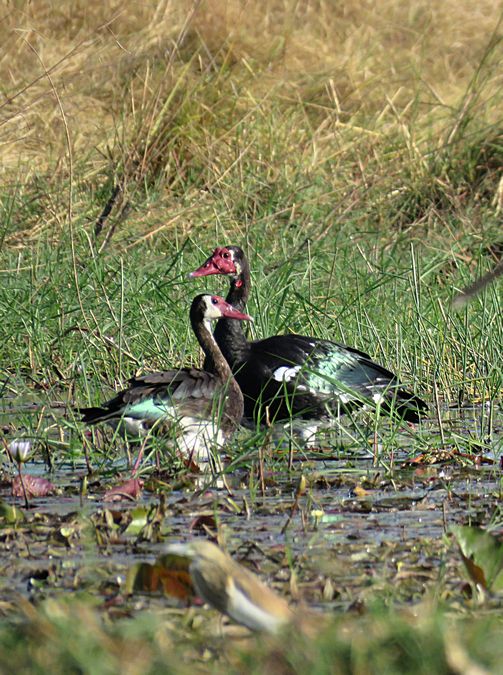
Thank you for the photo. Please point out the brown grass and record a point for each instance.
(135, 90)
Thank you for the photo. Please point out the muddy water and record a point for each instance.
(361, 528)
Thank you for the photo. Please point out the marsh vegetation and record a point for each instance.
(354, 150)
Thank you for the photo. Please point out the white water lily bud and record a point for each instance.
(20, 450)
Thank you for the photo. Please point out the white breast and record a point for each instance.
(200, 440)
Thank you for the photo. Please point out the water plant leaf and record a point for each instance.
(139, 518)
(443, 455)
(205, 522)
(141, 577)
(482, 554)
(177, 584)
(130, 489)
(175, 576)
(173, 561)
(359, 491)
(35, 486)
(10, 514)
(169, 574)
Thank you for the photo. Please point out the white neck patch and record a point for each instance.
(211, 311)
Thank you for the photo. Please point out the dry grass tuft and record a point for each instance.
(245, 99)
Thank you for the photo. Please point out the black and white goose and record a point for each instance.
(295, 375)
(198, 407)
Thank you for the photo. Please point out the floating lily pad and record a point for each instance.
(10, 514)
(130, 489)
(34, 486)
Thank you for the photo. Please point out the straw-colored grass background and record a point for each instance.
(187, 99)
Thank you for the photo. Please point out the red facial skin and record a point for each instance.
(219, 262)
(228, 310)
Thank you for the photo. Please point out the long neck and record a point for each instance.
(239, 289)
(231, 402)
(229, 333)
(212, 352)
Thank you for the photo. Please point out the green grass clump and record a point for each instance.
(79, 323)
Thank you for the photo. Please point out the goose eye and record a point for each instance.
(214, 301)
(225, 255)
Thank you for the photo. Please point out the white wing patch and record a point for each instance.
(285, 374)
(246, 612)
(195, 438)
(199, 438)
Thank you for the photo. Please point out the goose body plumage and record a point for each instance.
(196, 407)
(296, 375)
